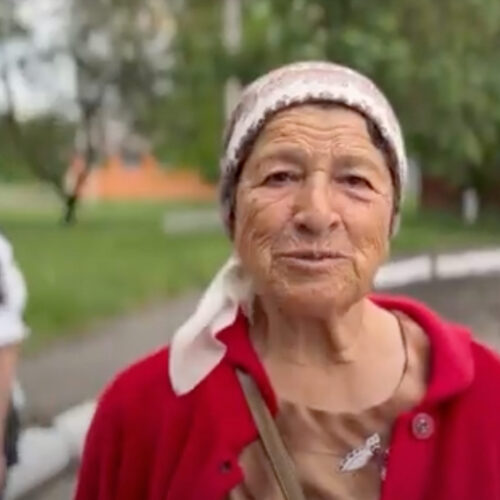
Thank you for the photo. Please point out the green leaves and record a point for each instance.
(436, 61)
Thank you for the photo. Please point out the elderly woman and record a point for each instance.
(290, 380)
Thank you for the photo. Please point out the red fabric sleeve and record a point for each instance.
(98, 476)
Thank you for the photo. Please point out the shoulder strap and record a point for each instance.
(281, 462)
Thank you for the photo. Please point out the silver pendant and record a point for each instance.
(359, 457)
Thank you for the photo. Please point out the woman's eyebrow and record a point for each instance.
(351, 160)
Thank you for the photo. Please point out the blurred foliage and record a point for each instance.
(188, 119)
(165, 65)
(47, 144)
(117, 52)
(437, 62)
(434, 67)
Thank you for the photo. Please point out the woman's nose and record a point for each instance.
(315, 213)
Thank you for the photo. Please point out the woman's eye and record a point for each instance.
(280, 178)
(356, 181)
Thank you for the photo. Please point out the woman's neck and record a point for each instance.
(303, 339)
(347, 361)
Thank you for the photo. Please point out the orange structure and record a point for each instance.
(143, 179)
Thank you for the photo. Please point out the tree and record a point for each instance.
(189, 116)
(437, 62)
(160, 67)
(117, 49)
(39, 144)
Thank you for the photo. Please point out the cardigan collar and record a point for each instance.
(452, 362)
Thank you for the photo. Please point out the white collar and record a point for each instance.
(195, 350)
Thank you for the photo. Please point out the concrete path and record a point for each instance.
(75, 371)
(473, 301)
(60, 488)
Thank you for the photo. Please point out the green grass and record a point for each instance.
(426, 231)
(117, 258)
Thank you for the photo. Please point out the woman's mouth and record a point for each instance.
(311, 259)
(312, 254)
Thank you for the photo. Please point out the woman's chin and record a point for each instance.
(316, 299)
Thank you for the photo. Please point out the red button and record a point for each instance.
(423, 426)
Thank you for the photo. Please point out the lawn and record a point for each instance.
(118, 258)
(115, 259)
(441, 231)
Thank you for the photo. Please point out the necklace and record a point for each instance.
(372, 448)
(359, 457)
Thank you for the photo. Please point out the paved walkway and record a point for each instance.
(88, 363)
(473, 301)
(72, 372)
(60, 488)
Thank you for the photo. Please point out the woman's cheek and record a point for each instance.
(251, 232)
(261, 209)
(261, 216)
(368, 230)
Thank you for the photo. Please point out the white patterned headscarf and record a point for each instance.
(302, 83)
(195, 350)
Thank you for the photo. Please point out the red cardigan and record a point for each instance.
(146, 443)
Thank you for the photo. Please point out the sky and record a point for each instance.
(42, 86)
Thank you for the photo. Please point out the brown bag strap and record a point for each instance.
(282, 464)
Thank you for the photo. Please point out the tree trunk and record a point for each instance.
(72, 198)
(70, 206)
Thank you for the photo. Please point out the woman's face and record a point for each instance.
(313, 210)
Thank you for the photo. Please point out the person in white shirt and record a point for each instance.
(12, 332)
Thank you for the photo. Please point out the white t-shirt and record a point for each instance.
(12, 297)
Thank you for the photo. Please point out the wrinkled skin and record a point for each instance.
(314, 183)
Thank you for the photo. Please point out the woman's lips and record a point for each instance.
(311, 259)
(312, 254)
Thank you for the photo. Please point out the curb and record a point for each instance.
(46, 452)
(424, 268)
